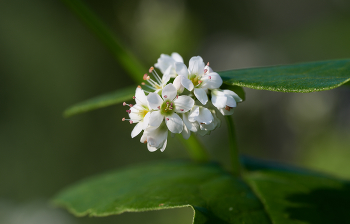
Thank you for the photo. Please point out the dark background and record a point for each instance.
(49, 60)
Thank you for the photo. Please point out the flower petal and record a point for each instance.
(204, 116)
(193, 114)
(192, 126)
(183, 104)
(181, 69)
(218, 101)
(141, 97)
(177, 57)
(146, 120)
(174, 123)
(167, 75)
(212, 81)
(137, 129)
(230, 101)
(186, 133)
(226, 112)
(154, 101)
(233, 94)
(177, 83)
(151, 148)
(196, 65)
(164, 62)
(155, 119)
(164, 145)
(186, 83)
(201, 95)
(169, 92)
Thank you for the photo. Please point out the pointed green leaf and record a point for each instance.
(101, 101)
(303, 78)
(215, 196)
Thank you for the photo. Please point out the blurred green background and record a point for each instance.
(49, 60)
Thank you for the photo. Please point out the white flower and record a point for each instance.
(159, 84)
(166, 62)
(225, 100)
(167, 107)
(138, 113)
(155, 137)
(197, 77)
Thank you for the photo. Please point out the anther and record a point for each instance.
(165, 96)
(227, 108)
(131, 122)
(142, 83)
(145, 77)
(128, 111)
(167, 119)
(171, 108)
(130, 105)
(209, 77)
(139, 86)
(133, 97)
(200, 81)
(150, 69)
(145, 142)
(167, 102)
(123, 119)
(177, 96)
(124, 104)
(158, 107)
(208, 63)
(205, 70)
(182, 109)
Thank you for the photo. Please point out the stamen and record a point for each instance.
(142, 83)
(146, 77)
(131, 122)
(167, 119)
(200, 81)
(139, 86)
(208, 63)
(165, 96)
(128, 111)
(133, 97)
(181, 109)
(151, 69)
(177, 96)
(145, 142)
(130, 105)
(228, 108)
(124, 104)
(205, 70)
(209, 77)
(158, 107)
(123, 119)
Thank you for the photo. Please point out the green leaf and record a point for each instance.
(237, 89)
(303, 78)
(121, 53)
(267, 194)
(215, 196)
(101, 101)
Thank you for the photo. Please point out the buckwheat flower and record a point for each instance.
(200, 114)
(197, 78)
(157, 84)
(155, 137)
(225, 100)
(167, 107)
(166, 62)
(138, 113)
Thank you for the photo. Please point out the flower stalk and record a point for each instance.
(234, 154)
(195, 149)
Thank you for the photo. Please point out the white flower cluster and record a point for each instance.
(178, 107)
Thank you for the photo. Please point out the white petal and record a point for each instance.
(181, 69)
(192, 126)
(218, 101)
(196, 66)
(230, 101)
(155, 119)
(201, 95)
(144, 137)
(177, 57)
(167, 75)
(204, 116)
(212, 81)
(209, 70)
(151, 148)
(157, 136)
(186, 133)
(174, 123)
(146, 120)
(177, 83)
(137, 130)
(164, 62)
(183, 104)
(164, 145)
(141, 97)
(154, 101)
(169, 92)
(233, 94)
(194, 113)
(187, 83)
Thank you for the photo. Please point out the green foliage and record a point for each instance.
(303, 78)
(101, 101)
(279, 196)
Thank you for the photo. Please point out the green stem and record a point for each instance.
(236, 166)
(194, 148)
